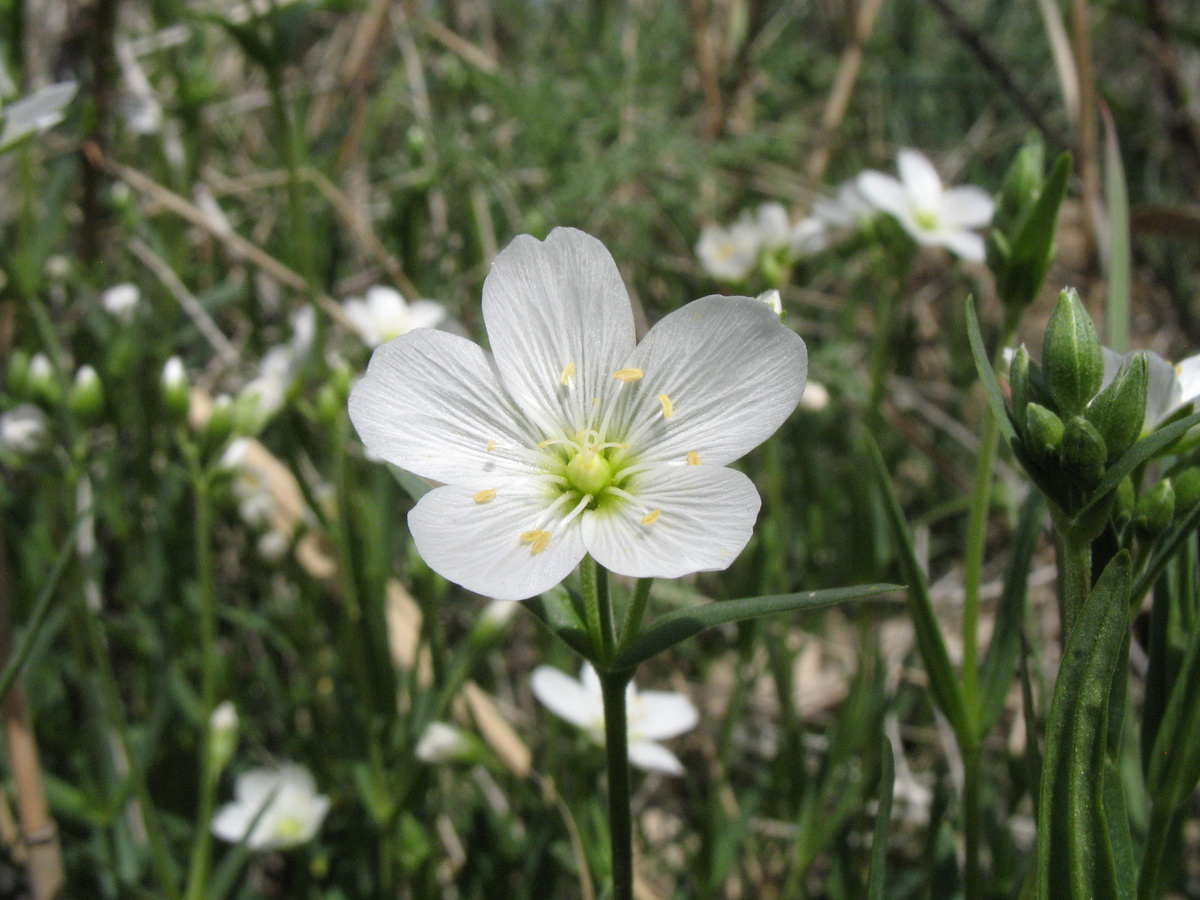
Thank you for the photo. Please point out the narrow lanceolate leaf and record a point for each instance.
(1175, 763)
(1033, 244)
(1000, 663)
(1135, 456)
(560, 612)
(1074, 854)
(987, 375)
(1117, 318)
(942, 679)
(669, 630)
(883, 820)
(1165, 547)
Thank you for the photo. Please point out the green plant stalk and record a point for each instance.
(616, 748)
(1074, 575)
(202, 847)
(599, 621)
(634, 613)
(1161, 821)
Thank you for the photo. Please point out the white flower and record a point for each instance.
(1169, 388)
(816, 397)
(933, 215)
(570, 438)
(729, 254)
(273, 809)
(24, 430)
(777, 232)
(442, 743)
(384, 314)
(847, 209)
(37, 112)
(652, 715)
(121, 301)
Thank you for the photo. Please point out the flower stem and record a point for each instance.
(634, 613)
(1074, 575)
(598, 609)
(620, 816)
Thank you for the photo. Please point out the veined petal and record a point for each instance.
(884, 193)
(477, 542)
(657, 715)
(560, 324)
(705, 518)
(967, 207)
(1164, 392)
(732, 372)
(1188, 376)
(654, 758)
(431, 403)
(568, 699)
(920, 178)
(964, 244)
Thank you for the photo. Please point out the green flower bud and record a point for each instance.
(220, 421)
(86, 398)
(1155, 509)
(1120, 409)
(1018, 381)
(42, 382)
(1044, 431)
(1187, 490)
(176, 393)
(1022, 185)
(1072, 360)
(1083, 449)
(222, 736)
(1125, 500)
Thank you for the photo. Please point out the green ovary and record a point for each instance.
(588, 472)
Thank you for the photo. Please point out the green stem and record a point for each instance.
(620, 816)
(972, 821)
(634, 613)
(1074, 576)
(597, 609)
(1161, 822)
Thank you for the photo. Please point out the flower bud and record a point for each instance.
(1072, 360)
(1021, 187)
(1125, 500)
(1155, 509)
(86, 399)
(773, 300)
(1119, 410)
(220, 421)
(1018, 382)
(443, 743)
(1044, 431)
(222, 735)
(1083, 449)
(1187, 489)
(42, 382)
(176, 392)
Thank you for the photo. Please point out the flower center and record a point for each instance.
(926, 219)
(588, 472)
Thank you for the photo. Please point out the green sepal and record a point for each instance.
(1072, 360)
(1119, 411)
(1083, 451)
(1018, 383)
(1155, 509)
(667, 631)
(1074, 850)
(1043, 432)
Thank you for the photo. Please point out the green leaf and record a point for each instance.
(943, 681)
(667, 631)
(1135, 456)
(987, 375)
(1074, 853)
(563, 614)
(1033, 244)
(414, 485)
(1117, 318)
(1165, 547)
(1175, 762)
(883, 818)
(1000, 662)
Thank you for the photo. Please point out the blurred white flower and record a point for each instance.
(847, 209)
(40, 110)
(652, 715)
(932, 214)
(774, 226)
(121, 301)
(222, 732)
(384, 314)
(808, 236)
(442, 743)
(273, 546)
(24, 430)
(729, 254)
(264, 395)
(273, 809)
(816, 397)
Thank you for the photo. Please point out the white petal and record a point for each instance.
(255, 786)
(733, 373)
(705, 517)
(654, 758)
(964, 244)
(884, 193)
(967, 207)
(557, 311)
(1164, 392)
(920, 178)
(567, 699)
(1188, 375)
(478, 545)
(774, 225)
(232, 821)
(426, 314)
(431, 403)
(657, 715)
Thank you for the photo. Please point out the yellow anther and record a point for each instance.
(485, 496)
(568, 373)
(491, 445)
(540, 543)
(542, 445)
(628, 375)
(693, 458)
(528, 537)
(667, 405)
(651, 517)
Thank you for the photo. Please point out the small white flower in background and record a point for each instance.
(40, 110)
(121, 301)
(774, 226)
(24, 430)
(816, 397)
(273, 809)
(443, 743)
(251, 489)
(1169, 388)
(808, 236)
(384, 314)
(273, 546)
(847, 209)
(222, 733)
(264, 396)
(933, 215)
(729, 254)
(571, 438)
(773, 300)
(653, 716)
